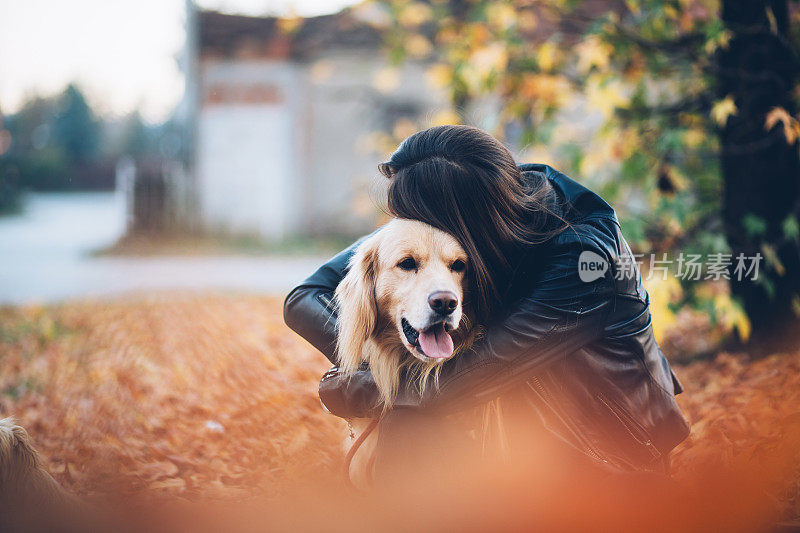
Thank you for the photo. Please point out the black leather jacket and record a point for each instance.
(582, 351)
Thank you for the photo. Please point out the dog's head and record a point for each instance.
(403, 296)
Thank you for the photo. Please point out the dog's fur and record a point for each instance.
(28, 493)
(21, 470)
(377, 294)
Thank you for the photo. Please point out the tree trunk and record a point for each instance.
(761, 170)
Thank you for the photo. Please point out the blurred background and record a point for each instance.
(254, 128)
(145, 144)
(230, 146)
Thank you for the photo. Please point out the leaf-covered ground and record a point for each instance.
(213, 397)
(192, 396)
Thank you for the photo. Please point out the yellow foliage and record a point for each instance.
(414, 14)
(527, 21)
(592, 162)
(539, 153)
(791, 127)
(593, 52)
(605, 96)
(723, 109)
(483, 62)
(680, 182)
(447, 35)
(403, 128)
(773, 260)
(633, 6)
(612, 147)
(492, 57)
(731, 316)
(378, 142)
(501, 15)
(444, 117)
(547, 56)
(373, 14)
(478, 35)
(694, 137)
(386, 80)
(728, 313)
(663, 292)
(545, 89)
(440, 75)
(720, 41)
(418, 46)
(635, 70)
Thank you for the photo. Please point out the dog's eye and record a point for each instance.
(458, 266)
(408, 264)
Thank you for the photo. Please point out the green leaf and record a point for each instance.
(791, 229)
(753, 225)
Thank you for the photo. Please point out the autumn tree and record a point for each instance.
(679, 112)
(758, 71)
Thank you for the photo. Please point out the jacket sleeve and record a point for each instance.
(560, 314)
(309, 309)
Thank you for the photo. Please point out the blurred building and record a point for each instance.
(280, 112)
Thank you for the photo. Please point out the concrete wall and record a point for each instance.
(344, 109)
(280, 145)
(244, 147)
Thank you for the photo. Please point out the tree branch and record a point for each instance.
(697, 103)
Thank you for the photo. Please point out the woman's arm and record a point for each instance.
(560, 315)
(310, 312)
(308, 308)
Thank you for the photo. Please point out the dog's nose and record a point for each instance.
(443, 302)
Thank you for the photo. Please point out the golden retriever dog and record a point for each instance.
(401, 307)
(27, 490)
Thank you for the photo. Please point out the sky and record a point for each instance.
(122, 53)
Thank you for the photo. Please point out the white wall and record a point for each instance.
(244, 157)
(244, 169)
(295, 164)
(344, 108)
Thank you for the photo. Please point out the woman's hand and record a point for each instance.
(350, 396)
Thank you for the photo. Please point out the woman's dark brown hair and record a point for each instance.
(463, 181)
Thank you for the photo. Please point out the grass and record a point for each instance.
(33, 326)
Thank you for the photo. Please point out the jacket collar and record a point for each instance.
(579, 202)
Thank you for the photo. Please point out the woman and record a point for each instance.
(567, 323)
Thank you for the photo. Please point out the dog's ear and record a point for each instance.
(357, 308)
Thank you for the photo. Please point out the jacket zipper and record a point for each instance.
(325, 299)
(630, 425)
(539, 389)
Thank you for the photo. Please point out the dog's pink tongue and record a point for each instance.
(436, 342)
